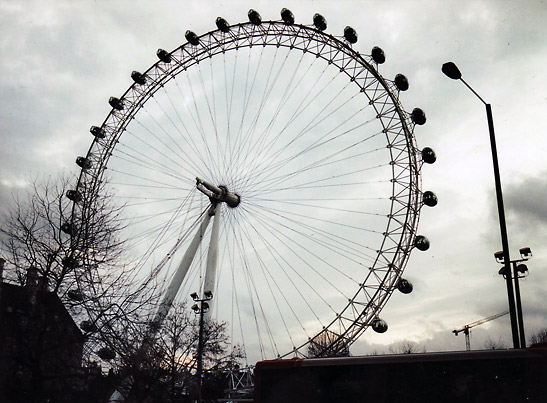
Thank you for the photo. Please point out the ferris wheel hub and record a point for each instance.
(218, 193)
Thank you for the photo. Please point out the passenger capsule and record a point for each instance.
(401, 82)
(287, 16)
(106, 354)
(75, 295)
(68, 228)
(428, 155)
(418, 116)
(97, 132)
(88, 326)
(404, 286)
(74, 195)
(254, 17)
(139, 78)
(430, 198)
(191, 37)
(222, 24)
(378, 55)
(421, 242)
(116, 103)
(350, 34)
(379, 325)
(320, 22)
(83, 162)
(163, 55)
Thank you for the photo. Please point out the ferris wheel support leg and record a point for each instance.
(212, 258)
(170, 295)
(182, 270)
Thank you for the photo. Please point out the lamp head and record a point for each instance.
(194, 296)
(502, 271)
(208, 294)
(499, 257)
(451, 71)
(526, 253)
(195, 308)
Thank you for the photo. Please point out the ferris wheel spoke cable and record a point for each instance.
(238, 152)
(212, 117)
(161, 127)
(140, 218)
(309, 97)
(265, 99)
(208, 102)
(273, 253)
(235, 306)
(253, 295)
(141, 160)
(316, 144)
(285, 239)
(229, 96)
(271, 181)
(146, 181)
(319, 116)
(153, 135)
(272, 280)
(236, 144)
(334, 242)
(160, 237)
(268, 146)
(186, 137)
(284, 224)
(212, 166)
(300, 202)
(275, 154)
(142, 164)
(285, 97)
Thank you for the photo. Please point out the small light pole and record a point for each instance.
(200, 310)
(519, 271)
(452, 71)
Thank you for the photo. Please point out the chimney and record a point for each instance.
(2, 261)
(34, 284)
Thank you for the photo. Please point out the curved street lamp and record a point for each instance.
(452, 71)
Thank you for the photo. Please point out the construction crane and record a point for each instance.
(465, 329)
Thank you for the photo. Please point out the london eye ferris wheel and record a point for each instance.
(270, 166)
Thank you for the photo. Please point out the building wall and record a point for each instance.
(40, 346)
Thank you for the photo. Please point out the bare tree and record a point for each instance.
(39, 231)
(328, 344)
(491, 344)
(406, 347)
(165, 369)
(539, 337)
(77, 252)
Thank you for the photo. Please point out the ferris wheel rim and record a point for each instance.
(282, 30)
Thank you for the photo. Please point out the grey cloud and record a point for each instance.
(527, 203)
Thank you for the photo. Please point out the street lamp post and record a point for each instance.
(518, 270)
(200, 310)
(452, 71)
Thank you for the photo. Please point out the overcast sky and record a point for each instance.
(61, 61)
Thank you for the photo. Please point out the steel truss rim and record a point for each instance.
(398, 128)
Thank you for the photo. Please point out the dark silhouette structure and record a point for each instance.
(40, 345)
(514, 375)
